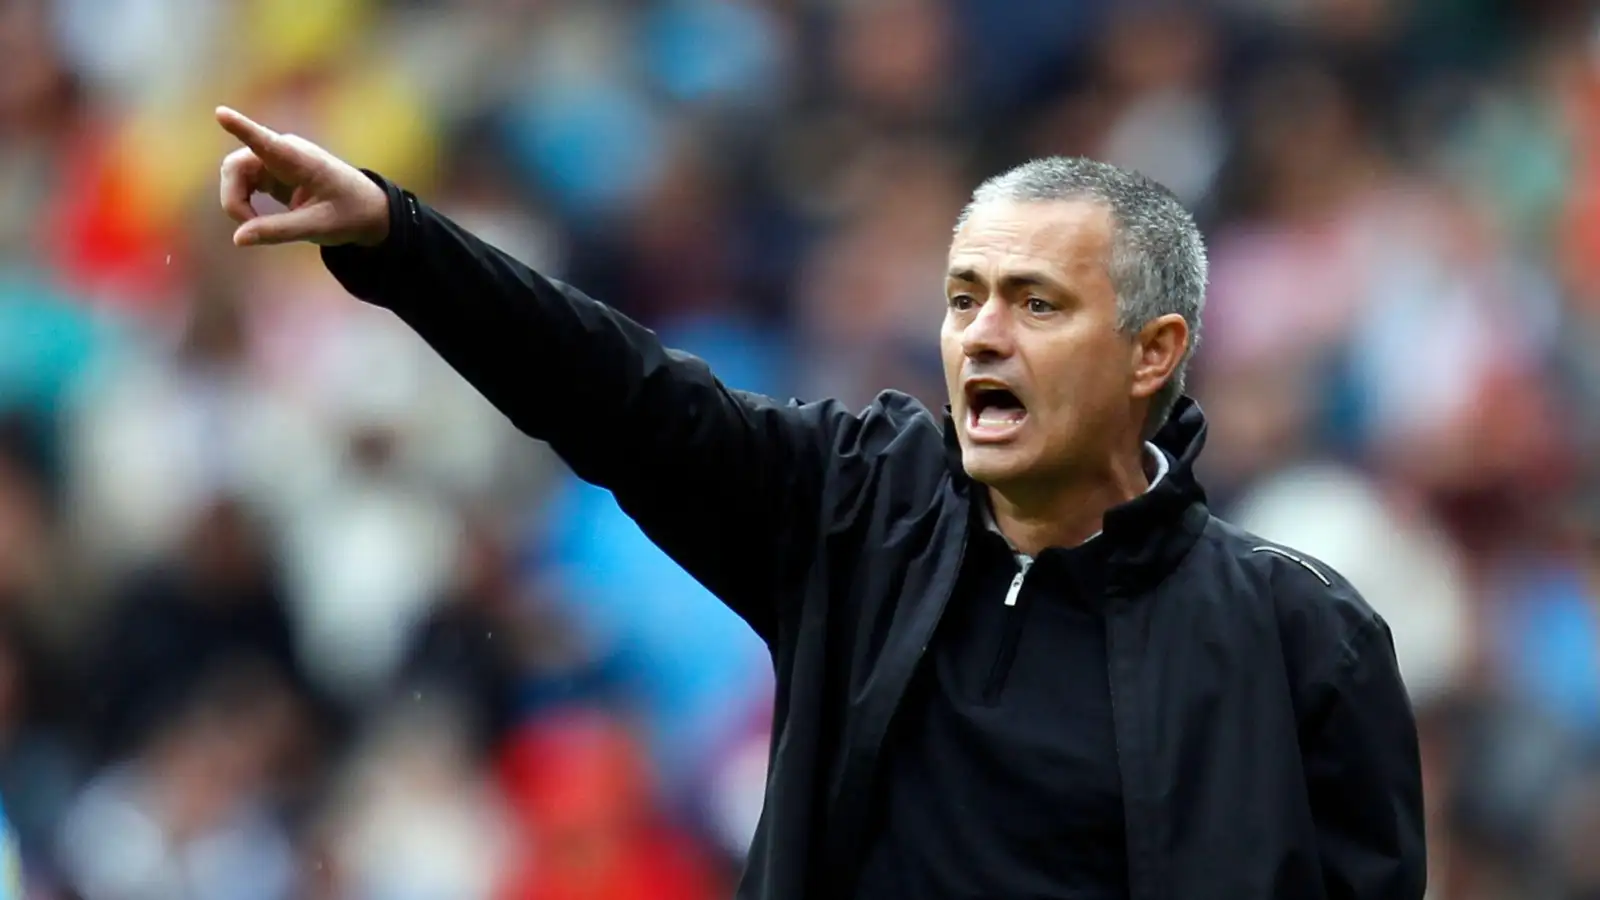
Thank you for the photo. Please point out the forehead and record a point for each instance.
(1065, 235)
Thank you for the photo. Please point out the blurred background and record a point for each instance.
(286, 611)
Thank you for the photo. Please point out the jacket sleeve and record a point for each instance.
(725, 482)
(1364, 777)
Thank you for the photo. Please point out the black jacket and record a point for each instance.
(1266, 743)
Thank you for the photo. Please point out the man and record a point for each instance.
(1016, 656)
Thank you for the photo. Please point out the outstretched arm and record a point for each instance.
(727, 483)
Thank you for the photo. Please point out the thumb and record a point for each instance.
(308, 223)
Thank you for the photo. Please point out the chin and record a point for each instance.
(995, 466)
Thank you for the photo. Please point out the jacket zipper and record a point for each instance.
(1011, 637)
(1016, 583)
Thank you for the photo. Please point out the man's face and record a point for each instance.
(1041, 382)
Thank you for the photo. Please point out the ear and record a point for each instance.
(1157, 349)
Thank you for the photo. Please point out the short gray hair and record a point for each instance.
(1158, 258)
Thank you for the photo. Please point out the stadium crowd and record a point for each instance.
(286, 611)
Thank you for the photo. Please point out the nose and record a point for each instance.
(988, 333)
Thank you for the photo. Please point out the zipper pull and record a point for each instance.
(1016, 583)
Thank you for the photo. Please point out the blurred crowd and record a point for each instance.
(287, 611)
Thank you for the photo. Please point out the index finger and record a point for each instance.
(252, 134)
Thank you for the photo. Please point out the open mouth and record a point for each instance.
(994, 412)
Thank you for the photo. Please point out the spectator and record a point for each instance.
(190, 814)
(176, 626)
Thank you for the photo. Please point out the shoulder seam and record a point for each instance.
(1294, 558)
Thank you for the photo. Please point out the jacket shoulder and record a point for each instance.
(888, 424)
(1324, 622)
(894, 426)
(894, 447)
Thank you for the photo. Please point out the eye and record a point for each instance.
(1040, 306)
(962, 302)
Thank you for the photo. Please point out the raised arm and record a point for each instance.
(728, 483)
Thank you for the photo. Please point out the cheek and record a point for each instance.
(950, 352)
(1083, 378)
(949, 335)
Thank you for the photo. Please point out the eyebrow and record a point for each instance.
(1013, 280)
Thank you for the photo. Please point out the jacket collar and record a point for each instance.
(1156, 466)
(1150, 534)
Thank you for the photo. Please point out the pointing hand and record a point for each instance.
(329, 201)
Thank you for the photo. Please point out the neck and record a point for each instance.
(1068, 513)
